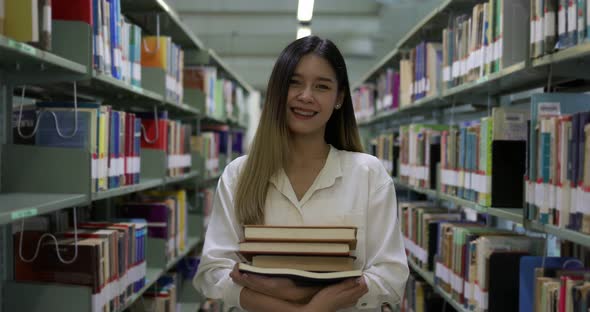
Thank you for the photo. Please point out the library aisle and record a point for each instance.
(482, 118)
(118, 117)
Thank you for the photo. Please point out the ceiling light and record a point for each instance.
(305, 10)
(303, 31)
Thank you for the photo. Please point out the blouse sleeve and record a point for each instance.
(221, 245)
(386, 269)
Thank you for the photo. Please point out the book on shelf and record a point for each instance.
(109, 135)
(564, 288)
(386, 148)
(483, 160)
(300, 276)
(420, 153)
(179, 199)
(160, 297)
(406, 76)
(464, 253)
(160, 218)
(23, 22)
(364, 101)
(556, 189)
(106, 256)
(115, 43)
(419, 227)
(529, 272)
(420, 296)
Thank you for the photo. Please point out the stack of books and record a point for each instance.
(306, 254)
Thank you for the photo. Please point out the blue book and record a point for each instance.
(572, 28)
(139, 256)
(113, 149)
(563, 39)
(96, 39)
(27, 124)
(47, 134)
(528, 264)
(115, 47)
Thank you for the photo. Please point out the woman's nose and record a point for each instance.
(306, 94)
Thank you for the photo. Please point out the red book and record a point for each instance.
(129, 131)
(152, 136)
(72, 10)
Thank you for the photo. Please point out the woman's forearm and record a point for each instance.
(256, 302)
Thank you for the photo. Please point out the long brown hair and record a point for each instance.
(270, 147)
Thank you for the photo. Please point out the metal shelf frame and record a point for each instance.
(429, 278)
(49, 75)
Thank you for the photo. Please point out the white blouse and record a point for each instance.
(351, 189)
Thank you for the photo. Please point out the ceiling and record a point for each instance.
(250, 34)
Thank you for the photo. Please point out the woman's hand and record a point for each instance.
(339, 296)
(281, 288)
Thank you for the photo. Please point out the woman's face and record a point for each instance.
(313, 94)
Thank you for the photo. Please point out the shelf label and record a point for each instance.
(539, 35)
(572, 17)
(540, 191)
(530, 192)
(24, 213)
(447, 74)
(561, 28)
(548, 109)
(22, 47)
(584, 198)
(533, 36)
(467, 290)
(457, 283)
(573, 200)
(549, 24)
(404, 170)
(552, 198)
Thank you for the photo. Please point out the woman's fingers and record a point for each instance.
(355, 293)
(237, 276)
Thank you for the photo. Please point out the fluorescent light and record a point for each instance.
(305, 10)
(303, 31)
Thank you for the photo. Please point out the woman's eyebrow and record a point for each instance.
(325, 79)
(320, 78)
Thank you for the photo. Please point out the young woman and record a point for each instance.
(305, 167)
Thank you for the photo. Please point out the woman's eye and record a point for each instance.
(293, 81)
(323, 87)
